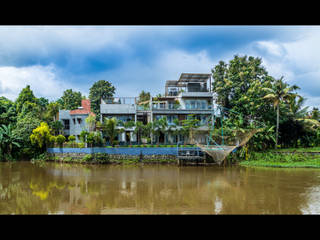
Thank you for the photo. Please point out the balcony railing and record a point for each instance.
(179, 107)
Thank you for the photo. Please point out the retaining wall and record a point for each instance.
(117, 151)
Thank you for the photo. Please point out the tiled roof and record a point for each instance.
(85, 103)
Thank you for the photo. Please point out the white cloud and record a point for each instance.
(43, 81)
(151, 77)
(297, 60)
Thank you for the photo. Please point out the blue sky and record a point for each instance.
(52, 59)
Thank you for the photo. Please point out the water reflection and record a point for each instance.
(79, 189)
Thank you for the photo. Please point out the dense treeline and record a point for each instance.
(29, 124)
(244, 86)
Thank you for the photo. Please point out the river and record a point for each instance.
(54, 188)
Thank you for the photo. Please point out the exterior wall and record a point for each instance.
(78, 128)
(75, 128)
(117, 109)
(117, 151)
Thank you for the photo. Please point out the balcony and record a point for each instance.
(176, 107)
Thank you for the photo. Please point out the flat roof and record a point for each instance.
(194, 77)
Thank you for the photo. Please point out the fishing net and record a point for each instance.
(221, 146)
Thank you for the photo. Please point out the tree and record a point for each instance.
(56, 127)
(43, 103)
(280, 92)
(41, 135)
(70, 100)
(91, 122)
(30, 108)
(52, 111)
(24, 126)
(139, 127)
(8, 140)
(26, 95)
(315, 114)
(83, 136)
(110, 130)
(144, 99)
(189, 125)
(160, 126)
(101, 89)
(239, 87)
(8, 113)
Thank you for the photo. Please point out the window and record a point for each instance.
(79, 120)
(203, 105)
(74, 121)
(66, 124)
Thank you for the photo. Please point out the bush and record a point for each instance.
(81, 145)
(71, 138)
(60, 139)
(87, 158)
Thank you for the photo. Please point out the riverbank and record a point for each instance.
(281, 159)
(104, 158)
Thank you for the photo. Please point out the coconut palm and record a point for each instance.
(109, 129)
(160, 126)
(279, 93)
(138, 130)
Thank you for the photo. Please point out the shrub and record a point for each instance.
(60, 139)
(71, 138)
(81, 145)
(87, 158)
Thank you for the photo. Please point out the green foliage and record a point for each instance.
(52, 111)
(71, 138)
(83, 136)
(95, 139)
(101, 89)
(269, 159)
(23, 130)
(41, 135)
(8, 142)
(70, 100)
(56, 127)
(110, 130)
(60, 139)
(8, 113)
(91, 122)
(26, 95)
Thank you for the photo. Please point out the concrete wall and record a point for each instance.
(75, 128)
(117, 109)
(117, 151)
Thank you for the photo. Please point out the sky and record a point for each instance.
(52, 59)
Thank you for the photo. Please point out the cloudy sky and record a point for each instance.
(52, 59)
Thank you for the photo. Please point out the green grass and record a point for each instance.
(311, 149)
(270, 159)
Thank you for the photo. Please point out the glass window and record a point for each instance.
(188, 105)
(66, 124)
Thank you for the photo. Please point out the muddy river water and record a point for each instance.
(54, 188)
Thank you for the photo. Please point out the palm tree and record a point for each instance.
(109, 129)
(8, 139)
(296, 108)
(53, 110)
(160, 126)
(280, 92)
(139, 130)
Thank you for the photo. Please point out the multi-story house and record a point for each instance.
(190, 95)
(74, 120)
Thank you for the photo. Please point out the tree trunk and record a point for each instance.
(277, 130)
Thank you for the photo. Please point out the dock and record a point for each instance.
(190, 154)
